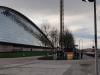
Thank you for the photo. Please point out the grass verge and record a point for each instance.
(23, 54)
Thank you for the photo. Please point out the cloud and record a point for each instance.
(85, 43)
(78, 15)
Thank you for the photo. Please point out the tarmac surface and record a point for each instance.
(31, 66)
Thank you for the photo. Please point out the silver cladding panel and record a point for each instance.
(15, 29)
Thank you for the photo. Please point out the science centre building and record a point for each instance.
(17, 32)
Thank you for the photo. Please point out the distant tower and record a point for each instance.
(61, 23)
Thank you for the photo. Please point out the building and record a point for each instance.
(17, 32)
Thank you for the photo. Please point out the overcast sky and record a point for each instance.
(78, 16)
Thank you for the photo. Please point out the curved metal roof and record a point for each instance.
(17, 28)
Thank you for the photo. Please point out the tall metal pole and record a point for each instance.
(79, 44)
(82, 44)
(61, 23)
(95, 37)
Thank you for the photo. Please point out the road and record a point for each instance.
(31, 66)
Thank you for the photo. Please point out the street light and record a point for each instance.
(95, 35)
(80, 44)
(61, 28)
(61, 23)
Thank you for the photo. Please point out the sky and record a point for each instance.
(78, 16)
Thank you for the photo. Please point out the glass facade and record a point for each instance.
(16, 28)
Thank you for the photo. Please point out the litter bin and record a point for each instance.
(70, 55)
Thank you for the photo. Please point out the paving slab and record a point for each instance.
(29, 66)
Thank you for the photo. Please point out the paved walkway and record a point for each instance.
(5, 61)
(30, 66)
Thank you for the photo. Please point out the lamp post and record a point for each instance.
(79, 44)
(95, 36)
(61, 28)
(61, 23)
(80, 48)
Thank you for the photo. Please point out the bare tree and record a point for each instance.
(68, 39)
(45, 27)
(54, 37)
(51, 33)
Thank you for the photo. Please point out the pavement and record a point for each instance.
(32, 66)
